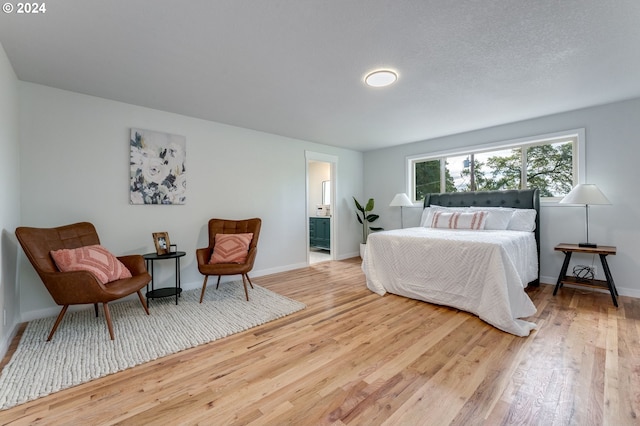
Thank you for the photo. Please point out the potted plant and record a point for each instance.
(365, 217)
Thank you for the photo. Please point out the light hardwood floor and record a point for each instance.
(355, 358)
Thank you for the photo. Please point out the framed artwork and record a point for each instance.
(157, 168)
(161, 240)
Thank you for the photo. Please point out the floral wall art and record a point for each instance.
(158, 172)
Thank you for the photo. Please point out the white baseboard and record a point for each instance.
(6, 341)
(348, 255)
(269, 271)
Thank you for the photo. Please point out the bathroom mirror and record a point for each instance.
(326, 192)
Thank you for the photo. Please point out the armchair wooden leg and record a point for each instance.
(244, 283)
(249, 279)
(107, 316)
(55, 326)
(204, 287)
(144, 303)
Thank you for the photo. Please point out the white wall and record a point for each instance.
(74, 167)
(612, 147)
(9, 200)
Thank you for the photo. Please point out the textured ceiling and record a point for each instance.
(295, 67)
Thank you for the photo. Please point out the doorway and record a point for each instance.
(321, 207)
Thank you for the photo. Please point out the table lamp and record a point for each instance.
(401, 200)
(586, 194)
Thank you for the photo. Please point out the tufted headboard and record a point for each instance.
(519, 199)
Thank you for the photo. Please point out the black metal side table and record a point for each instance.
(167, 291)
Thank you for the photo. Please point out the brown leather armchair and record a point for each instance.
(78, 287)
(203, 255)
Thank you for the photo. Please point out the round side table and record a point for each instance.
(167, 291)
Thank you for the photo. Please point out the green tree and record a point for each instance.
(549, 168)
(506, 172)
(428, 179)
(488, 181)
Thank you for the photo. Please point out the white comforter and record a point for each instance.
(482, 272)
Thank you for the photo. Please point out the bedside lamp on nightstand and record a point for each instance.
(586, 194)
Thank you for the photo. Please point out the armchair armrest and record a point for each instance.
(203, 255)
(134, 263)
(251, 257)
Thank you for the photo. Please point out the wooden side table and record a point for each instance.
(603, 252)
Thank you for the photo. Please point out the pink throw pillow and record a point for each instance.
(95, 259)
(458, 220)
(231, 248)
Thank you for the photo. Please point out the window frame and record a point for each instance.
(578, 157)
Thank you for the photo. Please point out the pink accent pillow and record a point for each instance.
(231, 248)
(459, 220)
(95, 259)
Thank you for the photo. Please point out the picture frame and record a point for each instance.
(161, 241)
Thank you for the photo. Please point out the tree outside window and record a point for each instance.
(548, 166)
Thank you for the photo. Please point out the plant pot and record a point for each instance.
(362, 249)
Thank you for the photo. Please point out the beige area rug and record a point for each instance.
(81, 350)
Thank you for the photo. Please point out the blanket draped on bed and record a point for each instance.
(481, 272)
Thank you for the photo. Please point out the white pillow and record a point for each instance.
(427, 213)
(523, 220)
(498, 217)
(459, 220)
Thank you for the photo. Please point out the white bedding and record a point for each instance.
(482, 272)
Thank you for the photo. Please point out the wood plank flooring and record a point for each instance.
(355, 358)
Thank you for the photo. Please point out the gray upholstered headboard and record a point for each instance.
(519, 199)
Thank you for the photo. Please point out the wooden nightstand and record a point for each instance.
(603, 252)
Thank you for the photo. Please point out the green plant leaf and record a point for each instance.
(358, 205)
(369, 206)
(366, 218)
(372, 217)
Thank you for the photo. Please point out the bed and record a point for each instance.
(482, 267)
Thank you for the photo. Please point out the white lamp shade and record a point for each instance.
(401, 200)
(585, 194)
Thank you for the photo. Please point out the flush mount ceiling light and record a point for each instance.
(381, 78)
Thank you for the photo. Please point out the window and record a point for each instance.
(550, 163)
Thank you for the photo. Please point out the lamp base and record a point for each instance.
(590, 245)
